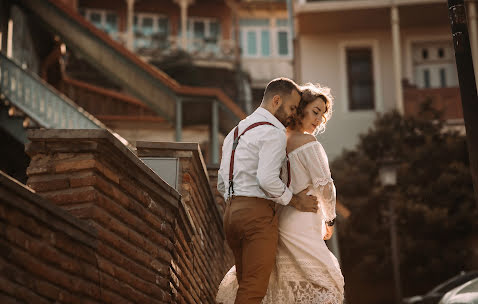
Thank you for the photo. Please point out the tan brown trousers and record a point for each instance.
(251, 227)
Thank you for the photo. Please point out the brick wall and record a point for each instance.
(151, 243)
(444, 99)
(93, 176)
(202, 256)
(47, 255)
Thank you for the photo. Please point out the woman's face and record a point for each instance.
(313, 115)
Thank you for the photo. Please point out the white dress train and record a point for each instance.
(306, 271)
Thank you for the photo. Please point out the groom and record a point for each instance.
(252, 156)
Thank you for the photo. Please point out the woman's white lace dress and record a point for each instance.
(306, 271)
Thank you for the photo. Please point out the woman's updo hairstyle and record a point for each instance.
(311, 92)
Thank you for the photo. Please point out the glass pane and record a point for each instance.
(214, 29)
(163, 25)
(425, 53)
(147, 26)
(111, 23)
(443, 78)
(135, 24)
(251, 43)
(360, 79)
(265, 43)
(241, 44)
(283, 43)
(95, 18)
(426, 78)
(441, 53)
(199, 29)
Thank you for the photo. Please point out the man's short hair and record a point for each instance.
(280, 86)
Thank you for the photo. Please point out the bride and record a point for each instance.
(305, 271)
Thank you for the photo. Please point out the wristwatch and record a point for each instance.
(330, 223)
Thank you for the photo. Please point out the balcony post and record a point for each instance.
(397, 58)
(215, 132)
(129, 25)
(183, 5)
(179, 119)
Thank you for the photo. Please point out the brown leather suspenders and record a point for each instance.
(234, 146)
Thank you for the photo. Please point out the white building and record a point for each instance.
(378, 55)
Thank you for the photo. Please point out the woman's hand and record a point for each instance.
(329, 231)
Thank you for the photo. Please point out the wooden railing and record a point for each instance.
(200, 48)
(107, 104)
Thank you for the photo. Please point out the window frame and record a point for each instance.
(410, 40)
(358, 51)
(103, 13)
(273, 30)
(140, 16)
(373, 45)
(207, 27)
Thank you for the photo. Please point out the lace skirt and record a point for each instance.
(306, 271)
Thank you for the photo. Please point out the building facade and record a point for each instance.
(378, 56)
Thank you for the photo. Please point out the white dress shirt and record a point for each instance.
(258, 160)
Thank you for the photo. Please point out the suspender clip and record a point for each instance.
(235, 143)
(231, 188)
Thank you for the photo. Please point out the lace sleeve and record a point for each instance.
(316, 161)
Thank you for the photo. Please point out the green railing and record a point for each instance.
(42, 103)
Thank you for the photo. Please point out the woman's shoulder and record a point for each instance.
(296, 141)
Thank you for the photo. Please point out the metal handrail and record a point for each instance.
(41, 102)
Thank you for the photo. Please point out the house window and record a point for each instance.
(437, 69)
(360, 79)
(102, 19)
(151, 31)
(203, 34)
(263, 38)
(284, 41)
(202, 28)
(256, 40)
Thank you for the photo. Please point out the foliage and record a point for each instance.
(435, 207)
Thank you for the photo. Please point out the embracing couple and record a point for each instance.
(280, 201)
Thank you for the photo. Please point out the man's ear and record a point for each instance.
(276, 101)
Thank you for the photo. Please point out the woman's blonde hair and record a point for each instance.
(311, 92)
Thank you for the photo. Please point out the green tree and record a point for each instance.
(435, 207)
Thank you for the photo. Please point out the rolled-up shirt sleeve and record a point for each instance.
(220, 185)
(271, 155)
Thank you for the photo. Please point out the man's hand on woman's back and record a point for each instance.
(303, 202)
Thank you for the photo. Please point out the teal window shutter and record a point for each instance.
(283, 43)
(251, 43)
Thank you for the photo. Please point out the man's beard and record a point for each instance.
(282, 116)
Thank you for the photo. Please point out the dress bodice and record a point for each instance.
(310, 169)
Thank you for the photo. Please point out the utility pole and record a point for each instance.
(395, 252)
(466, 78)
